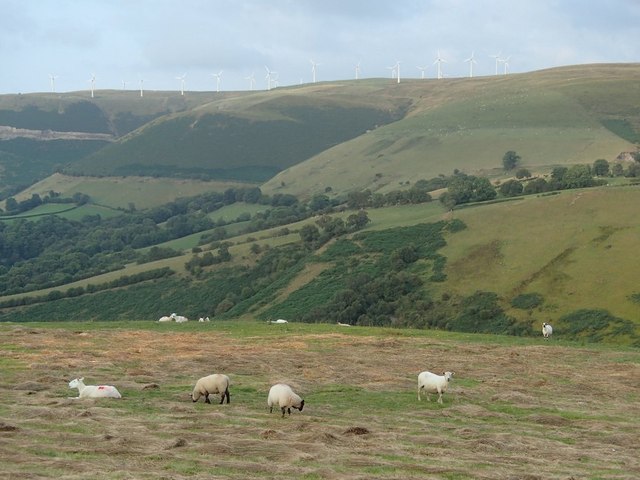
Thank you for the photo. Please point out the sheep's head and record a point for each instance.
(74, 383)
(448, 376)
(301, 405)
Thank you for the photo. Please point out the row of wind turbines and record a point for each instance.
(272, 76)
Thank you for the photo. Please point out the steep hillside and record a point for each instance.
(250, 138)
(558, 116)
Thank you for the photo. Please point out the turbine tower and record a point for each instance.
(506, 64)
(268, 77)
(397, 67)
(52, 79)
(393, 71)
(124, 84)
(252, 80)
(471, 61)
(182, 79)
(314, 69)
(439, 61)
(422, 70)
(357, 70)
(141, 88)
(218, 76)
(92, 80)
(497, 57)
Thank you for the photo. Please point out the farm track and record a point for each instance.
(537, 411)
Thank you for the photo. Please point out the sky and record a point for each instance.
(126, 44)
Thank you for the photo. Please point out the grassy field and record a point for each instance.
(517, 408)
(121, 192)
(574, 248)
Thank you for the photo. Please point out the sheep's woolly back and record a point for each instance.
(94, 391)
(283, 396)
(215, 383)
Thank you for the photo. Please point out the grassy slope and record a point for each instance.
(576, 249)
(118, 192)
(517, 408)
(549, 117)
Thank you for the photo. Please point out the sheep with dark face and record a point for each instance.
(432, 383)
(216, 383)
(283, 396)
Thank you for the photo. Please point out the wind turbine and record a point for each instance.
(252, 80)
(141, 89)
(93, 83)
(182, 78)
(218, 77)
(471, 61)
(314, 68)
(439, 61)
(357, 70)
(506, 64)
(52, 79)
(397, 67)
(124, 84)
(422, 69)
(268, 77)
(497, 57)
(393, 71)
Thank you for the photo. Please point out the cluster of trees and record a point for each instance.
(13, 207)
(197, 262)
(327, 227)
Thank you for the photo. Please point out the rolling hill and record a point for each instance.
(341, 136)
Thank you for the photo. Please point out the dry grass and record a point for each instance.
(523, 409)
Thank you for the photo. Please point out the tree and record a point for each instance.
(511, 188)
(468, 188)
(510, 160)
(358, 220)
(522, 173)
(601, 167)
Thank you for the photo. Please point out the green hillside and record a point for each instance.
(560, 116)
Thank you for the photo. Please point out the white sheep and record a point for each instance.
(284, 397)
(280, 320)
(165, 319)
(344, 324)
(93, 391)
(179, 318)
(216, 383)
(432, 383)
(547, 330)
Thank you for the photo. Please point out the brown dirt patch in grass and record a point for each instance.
(512, 411)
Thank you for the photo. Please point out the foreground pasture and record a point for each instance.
(517, 408)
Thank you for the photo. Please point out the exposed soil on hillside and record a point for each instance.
(534, 411)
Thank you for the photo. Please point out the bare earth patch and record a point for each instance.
(534, 411)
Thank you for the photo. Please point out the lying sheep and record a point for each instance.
(547, 330)
(280, 320)
(284, 397)
(165, 319)
(93, 391)
(432, 383)
(216, 383)
(179, 318)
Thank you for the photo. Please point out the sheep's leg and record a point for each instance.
(439, 396)
(284, 409)
(271, 409)
(206, 397)
(419, 398)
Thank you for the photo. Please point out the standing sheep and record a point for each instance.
(432, 383)
(216, 383)
(284, 397)
(547, 330)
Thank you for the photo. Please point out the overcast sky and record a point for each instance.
(157, 41)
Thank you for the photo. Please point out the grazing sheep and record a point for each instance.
(93, 391)
(285, 398)
(179, 318)
(216, 383)
(165, 319)
(547, 330)
(432, 383)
